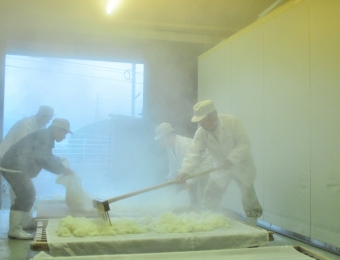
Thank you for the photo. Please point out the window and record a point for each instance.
(87, 93)
(82, 91)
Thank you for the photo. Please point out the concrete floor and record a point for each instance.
(11, 249)
(20, 249)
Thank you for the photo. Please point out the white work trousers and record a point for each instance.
(213, 195)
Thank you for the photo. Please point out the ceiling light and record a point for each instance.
(112, 5)
(269, 9)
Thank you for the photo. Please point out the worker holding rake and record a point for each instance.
(177, 146)
(227, 142)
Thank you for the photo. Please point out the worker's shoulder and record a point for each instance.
(24, 122)
(230, 122)
(41, 134)
(28, 119)
(183, 139)
(228, 118)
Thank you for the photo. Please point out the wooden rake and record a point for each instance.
(103, 206)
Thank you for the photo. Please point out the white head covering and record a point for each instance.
(46, 111)
(202, 109)
(163, 129)
(62, 123)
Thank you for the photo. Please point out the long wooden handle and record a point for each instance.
(202, 173)
(128, 195)
(8, 170)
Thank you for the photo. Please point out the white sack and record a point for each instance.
(76, 198)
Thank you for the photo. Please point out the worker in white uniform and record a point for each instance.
(23, 161)
(227, 142)
(19, 130)
(177, 147)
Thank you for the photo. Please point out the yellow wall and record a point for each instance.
(325, 118)
(281, 77)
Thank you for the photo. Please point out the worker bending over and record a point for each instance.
(19, 130)
(227, 142)
(177, 147)
(23, 161)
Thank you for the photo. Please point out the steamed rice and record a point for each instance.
(165, 223)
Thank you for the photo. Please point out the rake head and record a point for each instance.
(103, 209)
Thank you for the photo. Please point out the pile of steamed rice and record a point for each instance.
(165, 223)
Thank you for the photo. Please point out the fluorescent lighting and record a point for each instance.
(112, 5)
(269, 9)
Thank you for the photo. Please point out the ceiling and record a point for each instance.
(204, 21)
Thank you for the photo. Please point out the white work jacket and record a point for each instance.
(177, 155)
(19, 130)
(229, 141)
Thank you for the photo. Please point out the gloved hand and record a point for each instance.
(189, 187)
(65, 162)
(67, 171)
(181, 177)
(227, 164)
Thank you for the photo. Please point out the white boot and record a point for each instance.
(15, 229)
(28, 222)
(251, 221)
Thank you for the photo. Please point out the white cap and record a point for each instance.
(45, 111)
(163, 129)
(62, 123)
(202, 109)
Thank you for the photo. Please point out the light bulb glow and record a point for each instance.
(112, 5)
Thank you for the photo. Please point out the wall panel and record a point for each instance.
(287, 120)
(300, 113)
(215, 83)
(214, 76)
(247, 102)
(325, 120)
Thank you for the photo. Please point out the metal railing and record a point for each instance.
(96, 150)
